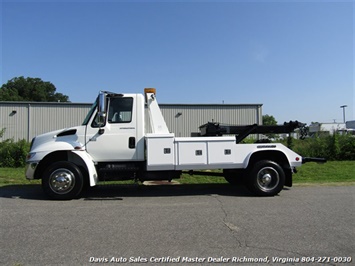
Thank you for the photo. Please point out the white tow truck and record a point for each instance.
(112, 144)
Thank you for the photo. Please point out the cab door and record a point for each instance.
(116, 139)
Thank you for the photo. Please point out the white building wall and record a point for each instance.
(328, 128)
(14, 118)
(25, 120)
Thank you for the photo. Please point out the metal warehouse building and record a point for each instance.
(25, 120)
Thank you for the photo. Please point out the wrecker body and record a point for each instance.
(113, 144)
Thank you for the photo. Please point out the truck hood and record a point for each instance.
(63, 139)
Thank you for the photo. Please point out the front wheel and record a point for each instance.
(266, 178)
(62, 180)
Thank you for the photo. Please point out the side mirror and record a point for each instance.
(101, 109)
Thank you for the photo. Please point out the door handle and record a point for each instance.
(131, 142)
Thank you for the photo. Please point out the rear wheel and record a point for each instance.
(266, 178)
(62, 180)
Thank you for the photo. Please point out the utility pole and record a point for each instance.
(343, 106)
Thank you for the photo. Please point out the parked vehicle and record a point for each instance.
(113, 144)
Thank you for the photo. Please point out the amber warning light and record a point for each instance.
(150, 90)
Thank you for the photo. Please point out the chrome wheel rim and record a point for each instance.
(267, 179)
(62, 181)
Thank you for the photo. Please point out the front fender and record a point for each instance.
(90, 166)
(41, 160)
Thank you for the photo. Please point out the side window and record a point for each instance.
(120, 110)
(95, 121)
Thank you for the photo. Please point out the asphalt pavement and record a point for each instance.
(178, 225)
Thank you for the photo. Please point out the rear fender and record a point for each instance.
(274, 155)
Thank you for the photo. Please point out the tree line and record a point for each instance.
(30, 89)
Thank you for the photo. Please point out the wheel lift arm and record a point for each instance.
(241, 132)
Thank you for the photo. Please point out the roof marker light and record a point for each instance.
(150, 90)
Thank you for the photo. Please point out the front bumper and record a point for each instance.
(30, 170)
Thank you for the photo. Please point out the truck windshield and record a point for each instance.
(92, 110)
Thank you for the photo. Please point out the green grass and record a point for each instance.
(14, 176)
(196, 179)
(332, 172)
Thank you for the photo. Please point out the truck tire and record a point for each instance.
(62, 181)
(266, 178)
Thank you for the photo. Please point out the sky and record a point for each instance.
(294, 57)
